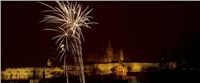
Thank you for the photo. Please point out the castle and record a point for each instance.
(109, 63)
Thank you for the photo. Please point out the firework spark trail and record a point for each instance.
(70, 17)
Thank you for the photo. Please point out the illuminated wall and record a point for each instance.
(137, 67)
(38, 72)
(106, 68)
(28, 73)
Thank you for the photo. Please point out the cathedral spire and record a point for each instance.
(109, 52)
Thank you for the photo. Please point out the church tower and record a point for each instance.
(121, 55)
(49, 63)
(109, 53)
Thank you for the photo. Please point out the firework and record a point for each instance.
(70, 18)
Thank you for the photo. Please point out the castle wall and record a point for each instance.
(49, 72)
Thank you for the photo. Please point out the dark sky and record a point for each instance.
(145, 30)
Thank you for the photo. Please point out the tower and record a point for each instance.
(109, 53)
(121, 55)
(49, 63)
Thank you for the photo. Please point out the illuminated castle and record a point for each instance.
(109, 63)
(113, 63)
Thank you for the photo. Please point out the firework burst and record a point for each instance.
(71, 18)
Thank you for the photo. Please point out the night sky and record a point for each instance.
(146, 31)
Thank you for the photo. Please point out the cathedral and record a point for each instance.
(109, 55)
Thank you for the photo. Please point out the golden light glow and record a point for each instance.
(106, 68)
(121, 70)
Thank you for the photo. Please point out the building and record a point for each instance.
(109, 63)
